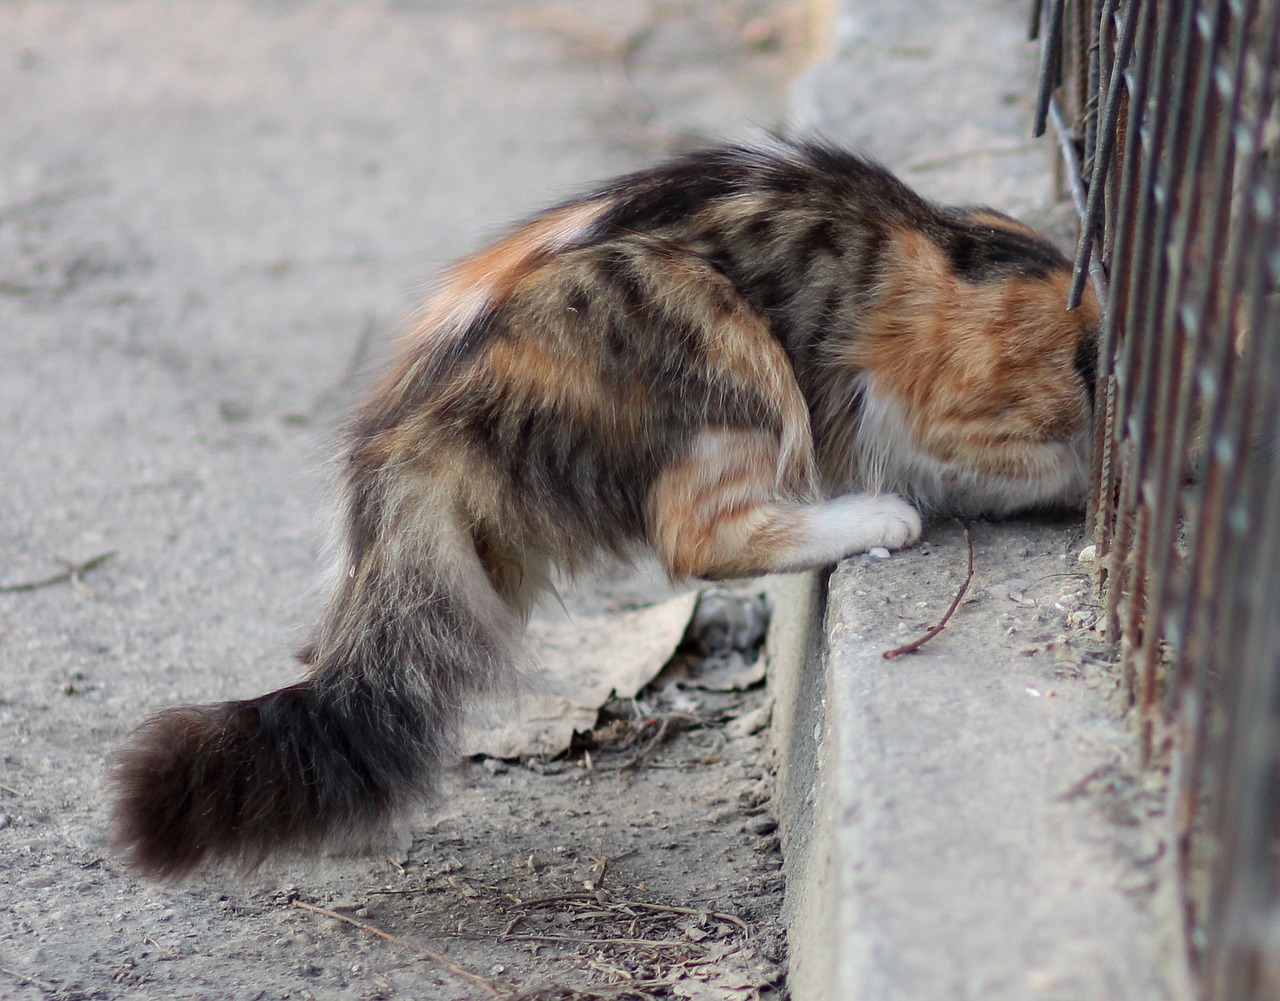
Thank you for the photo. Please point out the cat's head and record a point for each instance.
(976, 382)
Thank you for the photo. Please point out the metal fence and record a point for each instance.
(1166, 112)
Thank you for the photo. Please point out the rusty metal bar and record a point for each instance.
(1050, 63)
(1111, 530)
(1102, 14)
(1147, 141)
(1092, 214)
(1171, 326)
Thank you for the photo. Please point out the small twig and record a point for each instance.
(916, 644)
(617, 972)
(431, 954)
(666, 726)
(34, 981)
(1081, 785)
(718, 915)
(634, 761)
(72, 573)
(513, 924)
(648, 943)
(600, 866)
(9, 789)
(84, 589)
(559, 898)
(622, 905)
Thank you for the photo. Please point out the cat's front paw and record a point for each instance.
(895, 520)
(881, 520)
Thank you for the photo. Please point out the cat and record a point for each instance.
(753, 358)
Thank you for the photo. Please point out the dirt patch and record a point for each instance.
(647, 867)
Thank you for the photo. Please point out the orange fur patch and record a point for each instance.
(487, 278)
(531, 371)
(743, 345)
(982, 369)
(713, 515)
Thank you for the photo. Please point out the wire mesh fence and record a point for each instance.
(1166, 112)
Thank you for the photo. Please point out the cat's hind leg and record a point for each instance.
(718, 513)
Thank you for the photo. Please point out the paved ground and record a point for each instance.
(213, 219)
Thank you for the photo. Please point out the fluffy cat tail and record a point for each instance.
(298, 767)
(331, 761)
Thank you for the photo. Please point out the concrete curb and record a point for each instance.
(962, 822)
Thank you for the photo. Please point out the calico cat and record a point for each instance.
(751, 359)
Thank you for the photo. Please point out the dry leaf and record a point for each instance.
(582, 662)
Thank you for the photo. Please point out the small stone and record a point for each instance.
(1017, 590)
(762, 825)
(1083, 618)
(750, 723)
(1088, 554)
(879, 552)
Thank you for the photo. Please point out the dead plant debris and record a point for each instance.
(72, 572)
(638, 949)
(916, 644)
(437, 957)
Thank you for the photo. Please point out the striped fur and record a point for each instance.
(749, 359)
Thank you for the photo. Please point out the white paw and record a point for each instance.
(877, 520)
(896, 520)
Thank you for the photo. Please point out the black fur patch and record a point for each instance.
(673, 192)
(1086, 363)
(981, 253)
